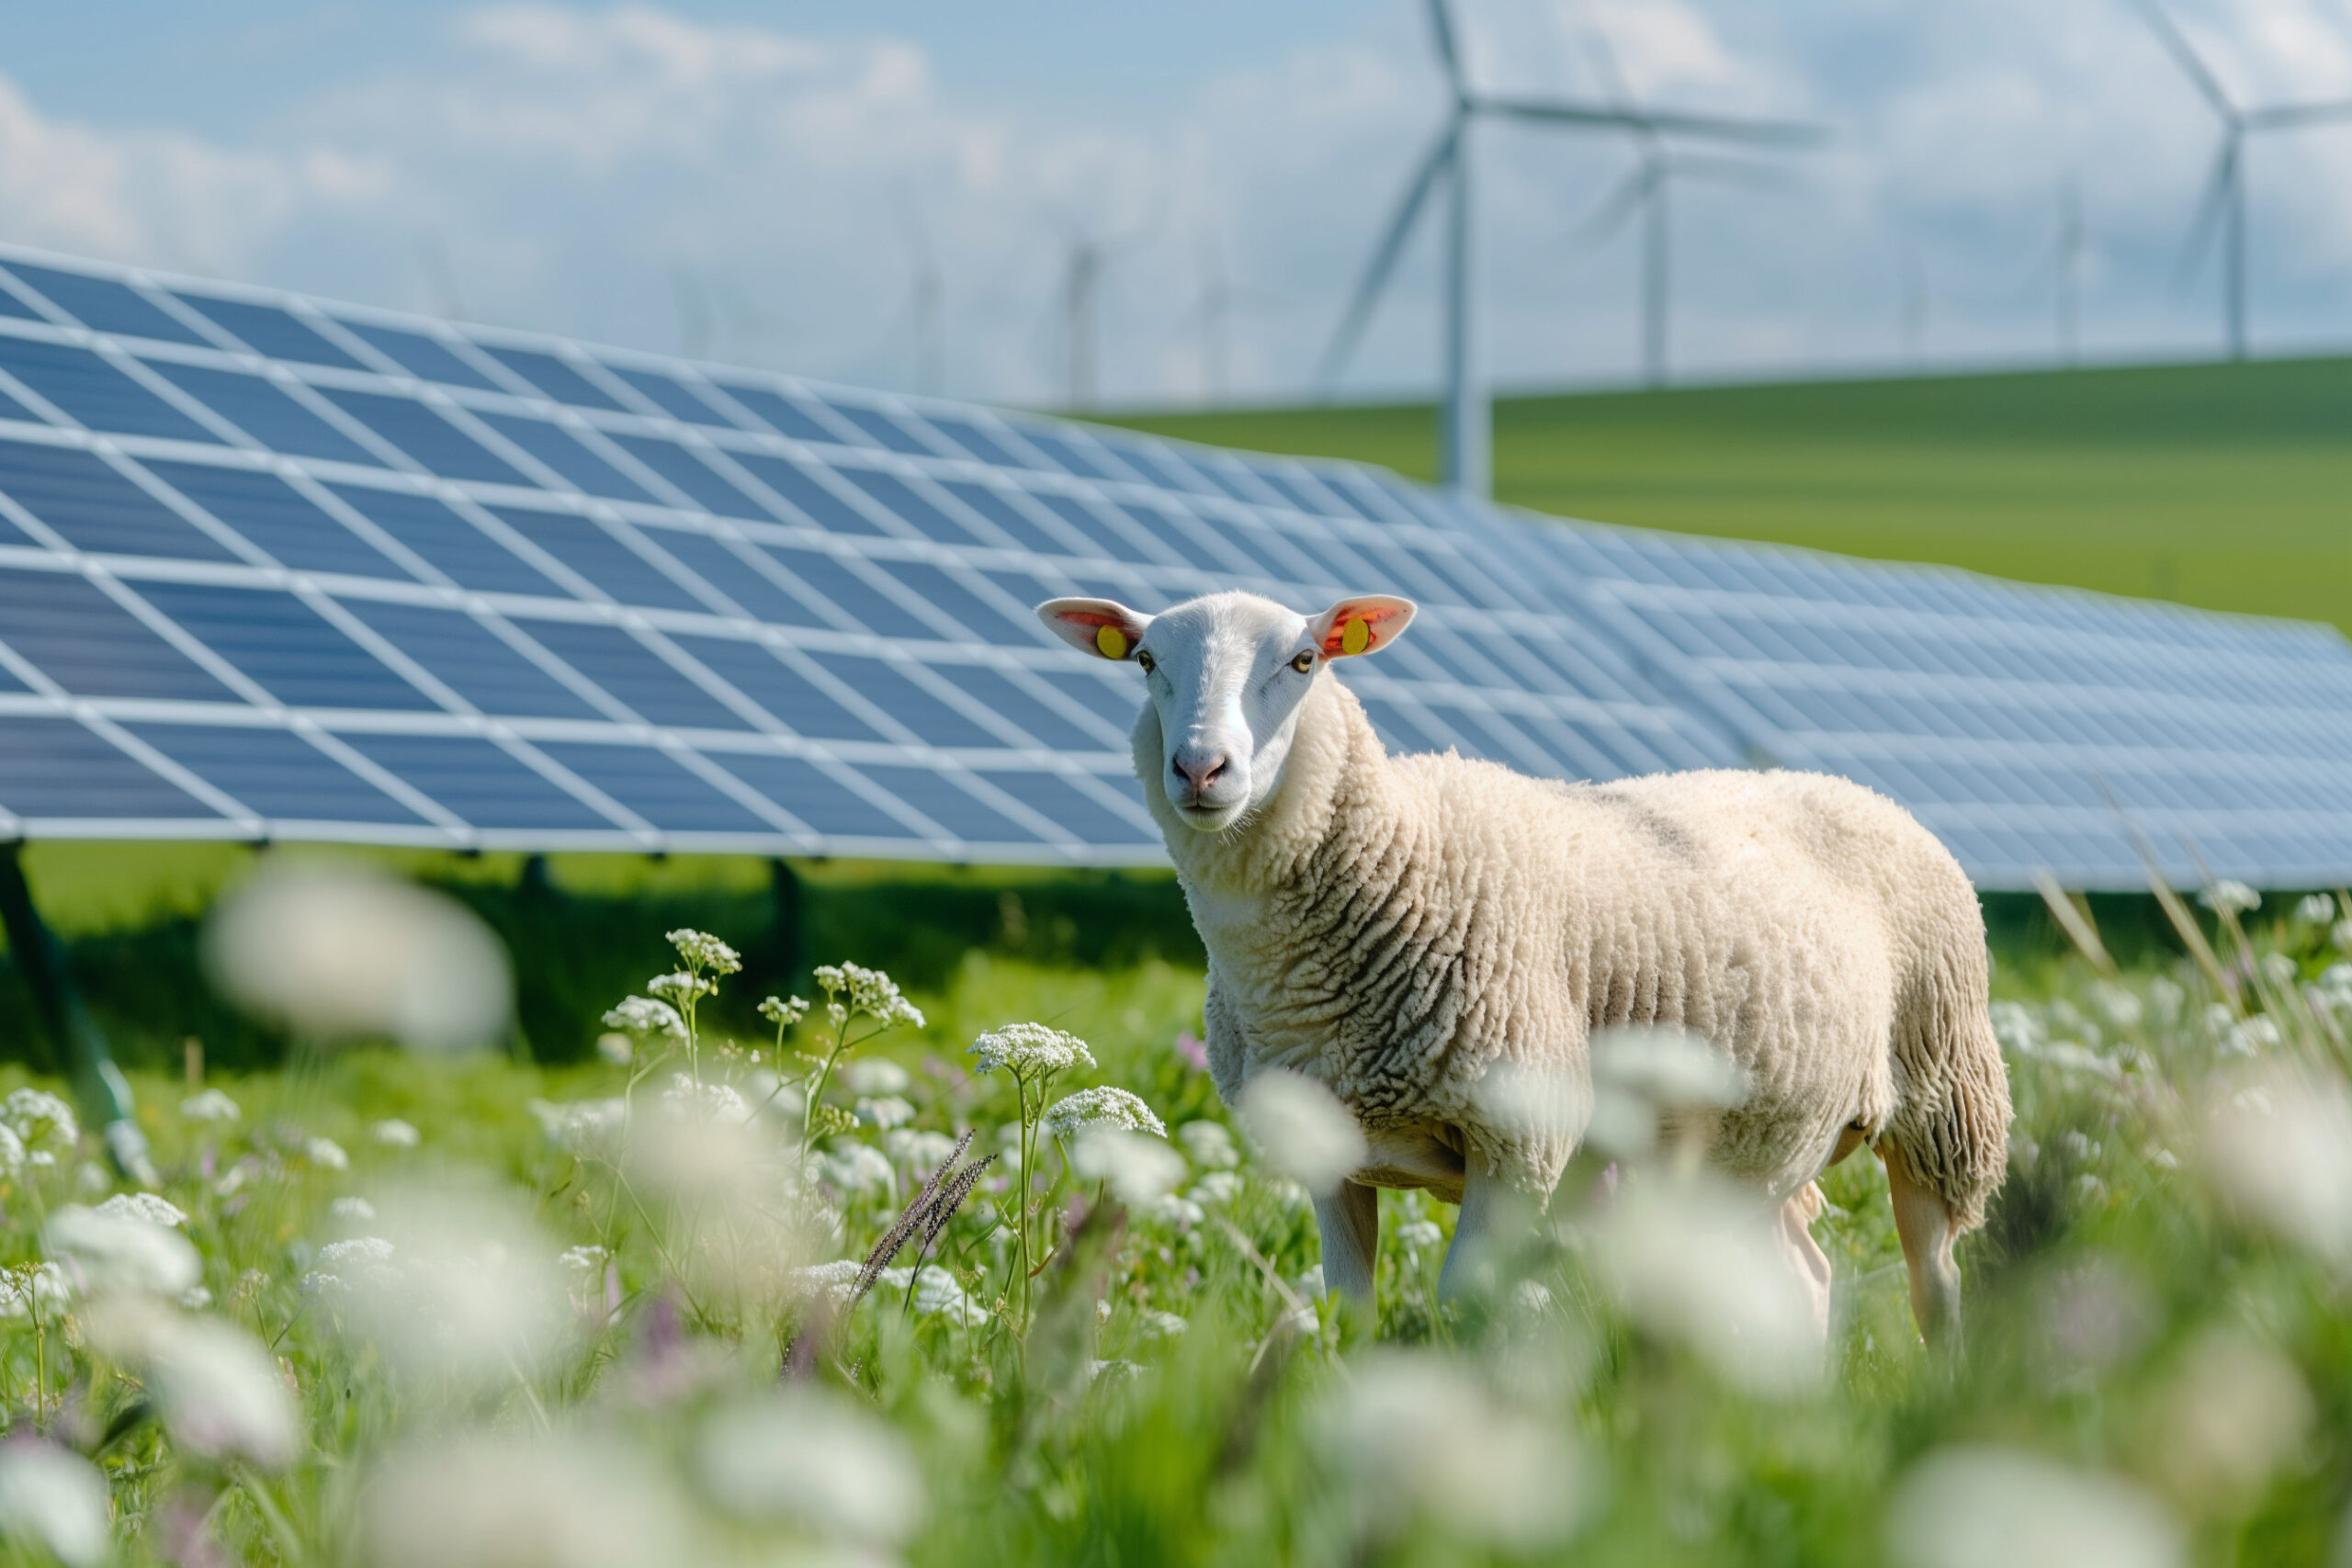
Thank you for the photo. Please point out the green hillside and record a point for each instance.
(2224, 486)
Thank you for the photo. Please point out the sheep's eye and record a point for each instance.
(1304, 663)
(1145, 662)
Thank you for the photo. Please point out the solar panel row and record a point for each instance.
(270, 566)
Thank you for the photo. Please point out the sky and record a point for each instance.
(773, 183)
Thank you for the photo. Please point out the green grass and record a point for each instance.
(2117, 1273)
(2216, 485)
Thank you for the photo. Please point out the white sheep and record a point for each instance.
(1412, 932)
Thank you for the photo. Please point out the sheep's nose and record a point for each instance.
(1200, 772)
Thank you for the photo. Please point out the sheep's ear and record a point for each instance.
(1104, 628)
(1363, 623)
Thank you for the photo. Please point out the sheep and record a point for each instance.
(1409, 930)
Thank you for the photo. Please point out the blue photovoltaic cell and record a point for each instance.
(813, 795)
(931, 718)
(284, 645)
(272, 333)
(553, 377)
(746, 584)
(818, 504)
(96, 509)
(86, 389)
(948, 804)
(16, 308)
(92, 647)
(275, 772)
(11, 409)
(582, 544)
(269, 513)
(53, 767)
(104, 305)
(792, 698)
(559, 450)
(471, 558)
(421, 356)
(703, 484)
(671, 396)
(478, 782)
(265, 412)
(633, 673)
(2017, 722)
(658, 789)
(474, 661)
(436, 445)
(780, 414)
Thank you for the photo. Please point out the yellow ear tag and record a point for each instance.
(1356, 637)
(1110, 640)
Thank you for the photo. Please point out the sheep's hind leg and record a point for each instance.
(1925, 1225)
(1350, 1221)
(1812, 1264)
(1481, 1190)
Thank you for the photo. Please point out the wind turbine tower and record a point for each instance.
(1465, 429)
(2222, 205)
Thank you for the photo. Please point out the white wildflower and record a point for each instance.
(812, 1458)
(392, 1132)
(2122, 1008)
(2231, 897)
(855, 990)
(1302, 1130)
(44, 1123)
(2316, 909)
(615, 1049)
(2250, 1037)
(1962, 1508)
(2167, 997)
(1178, 1214)
(570, 1500)
(1310, 1284)
(2234, 1414)
(920, 1150)
(783, 1011)
(858, 1167)
(56, 1499)
(1102, 1107)
(680, 990)
(936, 1294)
(1209, 1143)
(363, 1259)
(1030, 1050)
(700, 949)
(472, 1292)
(1137, 1166)
(220, 1393)
(648, 1019)
(704, 1102)
(2281, 1147)
(1419, 1235)
(12, 1152)
(2279, 969)
(146, 1207)
(1217, 1188)
(1479, 1470)
(325, 1153)
(352, 1211)
(196, 1298)
(28, 1289)
(584, 1263)
(832, 1280)
(589, 1128)
(209, 1105)
(885, 1112)
(876, 1075)
(344, 952)
(108, 1254)
(2016, 1026)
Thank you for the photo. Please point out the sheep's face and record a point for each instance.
(1226, 676)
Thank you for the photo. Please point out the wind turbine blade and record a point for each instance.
(2184, 55)
(2207, 222)
(2287, 116)
(1623, 200)
(1763, 133)
(1440, 160)
(1449, 53)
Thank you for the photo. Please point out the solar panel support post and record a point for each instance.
(78, 1046)
(783, 885)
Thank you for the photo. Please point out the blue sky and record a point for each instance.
(749, 179)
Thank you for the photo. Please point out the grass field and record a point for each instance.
(408, 1311)
(2224, 486)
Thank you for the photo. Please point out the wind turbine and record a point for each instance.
(2222, 205)
(1085, 260)
(1211, 314)
(1465, 430)
(1648, 191)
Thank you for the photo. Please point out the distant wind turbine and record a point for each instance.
(1085, 261)
(1466, 433)
(1211, 315)
(1647, 190)
(2222, 205)
(926, 306)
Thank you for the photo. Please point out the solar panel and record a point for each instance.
(275, 568)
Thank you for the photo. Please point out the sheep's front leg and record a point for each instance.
(1350, 1221)
(1481, 1190)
